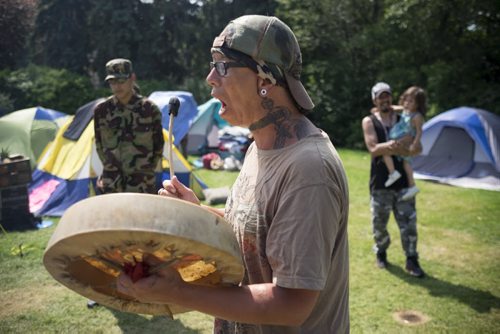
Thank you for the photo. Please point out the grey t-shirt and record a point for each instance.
(289, 210)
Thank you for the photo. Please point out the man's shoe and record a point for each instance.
(410, 193)
(393, 177)
(382, 260)
(413, 267)
(92, 304)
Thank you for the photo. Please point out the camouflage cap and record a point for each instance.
(118, 68)
(268, 39)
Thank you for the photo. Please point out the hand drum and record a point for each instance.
(100, 237)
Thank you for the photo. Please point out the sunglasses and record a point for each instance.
(222, 66)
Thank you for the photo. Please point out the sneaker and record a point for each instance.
(382, 260)
(393, 177)
(92, 304)
(410, 193)
(413, 268)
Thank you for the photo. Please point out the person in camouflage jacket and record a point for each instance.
(128, 134)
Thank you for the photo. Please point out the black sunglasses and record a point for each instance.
(222, 66)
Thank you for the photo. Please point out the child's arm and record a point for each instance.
(397, 108)
(417, 123)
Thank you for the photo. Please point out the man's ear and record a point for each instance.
(133, 77)
(264, 84)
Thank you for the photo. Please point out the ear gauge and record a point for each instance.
(263, 92)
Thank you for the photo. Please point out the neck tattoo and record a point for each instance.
(280, 117)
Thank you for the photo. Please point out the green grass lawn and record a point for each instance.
(459, 245)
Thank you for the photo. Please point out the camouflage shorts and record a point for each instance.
(383, 201)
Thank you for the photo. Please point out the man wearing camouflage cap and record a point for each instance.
(289, 205)
(128, 134)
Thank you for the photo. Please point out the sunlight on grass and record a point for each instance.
(459, 245)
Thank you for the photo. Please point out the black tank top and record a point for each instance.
(378, 170)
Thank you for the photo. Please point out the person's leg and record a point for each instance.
(406, 217)
(381, 206)
(389, 163)
(394, 175)
(409, 173)
(412, 188)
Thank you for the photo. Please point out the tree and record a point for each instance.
(16, 23)
(60, 39)
(337, 55)
(57, 89)
(448, 48)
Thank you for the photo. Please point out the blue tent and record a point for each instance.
(187, 112)
(203, 133)
(461, 147)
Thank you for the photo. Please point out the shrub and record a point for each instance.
(57, 89)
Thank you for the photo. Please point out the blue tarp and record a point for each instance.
(82, 118)
(48, 114)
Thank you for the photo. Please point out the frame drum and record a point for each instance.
(100, 237)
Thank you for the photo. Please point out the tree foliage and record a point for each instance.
(57, 89)
(16, 22)
(450, 48)
(166, 40)
(59, 39)
(338, 54)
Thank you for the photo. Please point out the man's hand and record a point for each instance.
(99, 183)
(406, 147)
(159, 287)
(415, 148)
(175, 189)
(393, 145)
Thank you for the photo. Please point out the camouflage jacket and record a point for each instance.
(128, 138)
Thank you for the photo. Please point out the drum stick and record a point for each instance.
(174, 105)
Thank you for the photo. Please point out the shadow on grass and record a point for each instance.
(481, 301)
(134, 323)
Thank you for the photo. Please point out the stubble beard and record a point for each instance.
(385, 108)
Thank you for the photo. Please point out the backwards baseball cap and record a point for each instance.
(118, 68)
(273, 45)
(379, 88)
